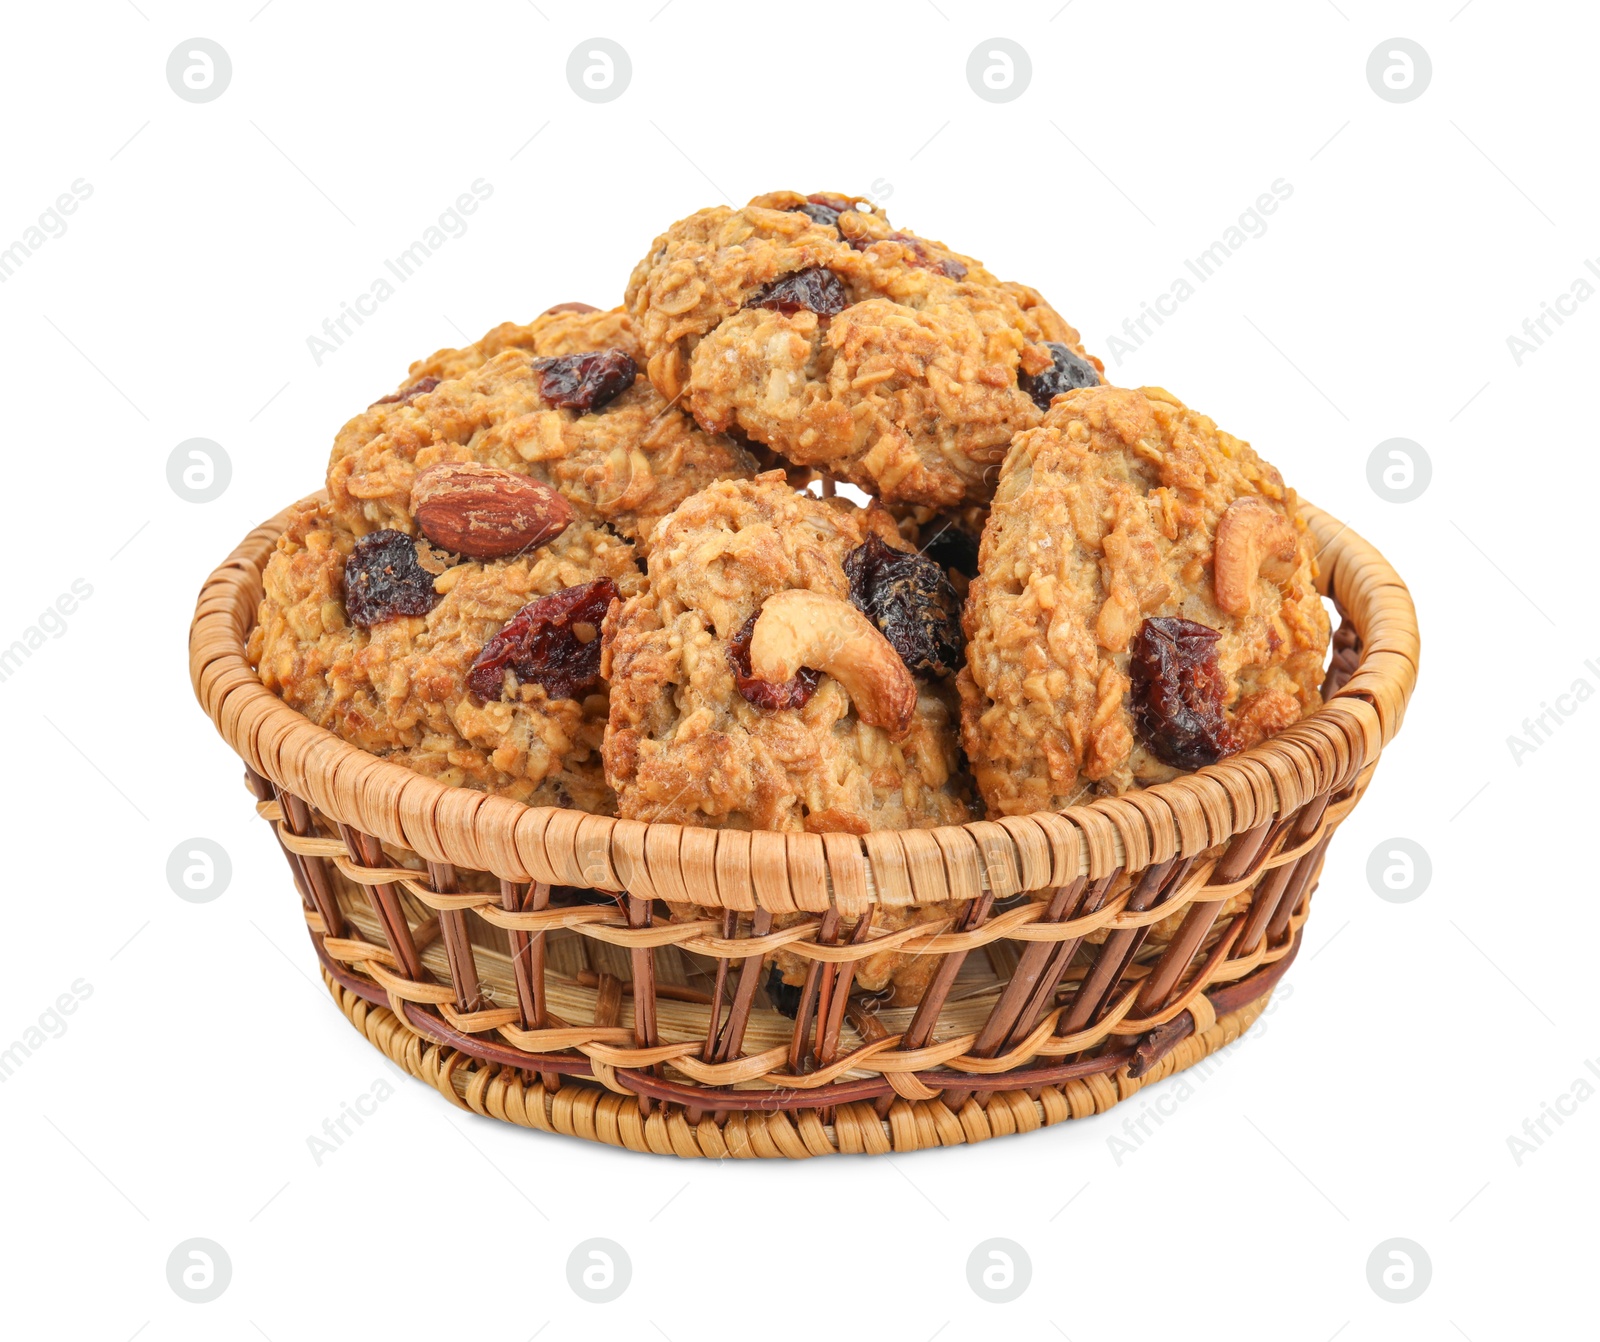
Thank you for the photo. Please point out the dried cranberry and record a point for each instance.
(817, 290)
(406, 395)
(1067, 372)
(1178, 692)
(819, 213)
(382, 579)
(766, 694)
(912, 602)
(585, 382)
(541, 644)
(823, 208)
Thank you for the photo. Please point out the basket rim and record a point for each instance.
(742, 870)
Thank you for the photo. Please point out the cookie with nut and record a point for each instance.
(466, 647)
(559, 401)
(754, 687)
(1144, 604)
(747, 592)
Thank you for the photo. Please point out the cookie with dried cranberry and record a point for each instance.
(786, 668)
(761, 678)
(1144, 604)
(560, 400)
(476, 674)
(810, 324)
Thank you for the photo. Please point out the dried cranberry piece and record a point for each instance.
(541, 644)
(816, 289)
(585, 382)
(1178, 692)
(1067, 372)
(912, 602)
(768, 695)
(819, 213)
(822, 208)
(382, 579)
(406, 395)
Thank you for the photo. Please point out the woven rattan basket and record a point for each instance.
(520, 959)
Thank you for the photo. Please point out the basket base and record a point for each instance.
(598, 1115)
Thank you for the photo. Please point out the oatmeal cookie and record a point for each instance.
(699, 738)
(559, 400)
(811, 325)
(401, 684)
(696, 738)
(1144, 604)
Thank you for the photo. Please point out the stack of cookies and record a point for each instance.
(601, 560)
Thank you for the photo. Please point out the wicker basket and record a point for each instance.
(517, 958)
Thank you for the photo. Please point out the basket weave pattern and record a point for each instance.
(464, 935)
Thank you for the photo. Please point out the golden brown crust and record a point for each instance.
(399, 688)
(1106, 515)
(911, 391)
(627, 463)
(683, 745)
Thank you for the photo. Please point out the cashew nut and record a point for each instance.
(1254, 540)
(803, 628)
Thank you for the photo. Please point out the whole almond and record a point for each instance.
(483, 512)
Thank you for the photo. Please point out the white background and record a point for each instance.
(1378, 1098)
